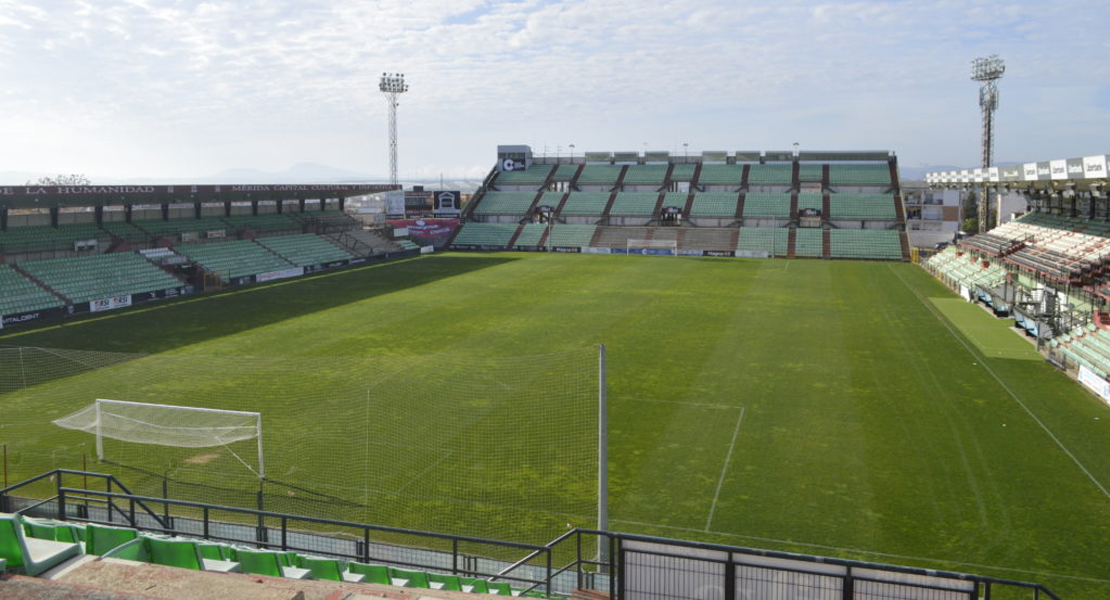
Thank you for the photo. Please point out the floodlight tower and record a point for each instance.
(987, 70)
(393, 85)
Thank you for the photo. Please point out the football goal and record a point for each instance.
(652, 247)
(165, 425)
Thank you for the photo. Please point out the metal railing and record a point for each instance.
(625, 566)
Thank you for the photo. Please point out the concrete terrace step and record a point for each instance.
(142, 581)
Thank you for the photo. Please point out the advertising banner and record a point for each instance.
(1075, 168)
(30, 317)
(1029, 170)
(1094, 383)
(752, 254)
(395, 203)
(282, 274)
(427, 232)
(110, 303)
(1095, 166)
(723, 253)
(1059, 168)
(447, 202)
(595, 250)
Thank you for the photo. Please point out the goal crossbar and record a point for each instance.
(166, 425)
(647, 246)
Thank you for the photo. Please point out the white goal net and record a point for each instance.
(652, 247)
(165, 425)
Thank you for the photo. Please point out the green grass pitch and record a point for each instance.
(843, 408)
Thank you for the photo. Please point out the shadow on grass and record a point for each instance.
(161, 326)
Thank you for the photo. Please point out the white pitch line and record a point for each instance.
(981, 359)
(724, 469)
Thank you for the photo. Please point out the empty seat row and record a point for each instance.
(305, 249)
(32, 546)
(85, 278)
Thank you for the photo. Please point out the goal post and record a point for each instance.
(651, 247)
(167, 425)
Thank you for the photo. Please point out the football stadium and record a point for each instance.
(790, 406)
(600, 375)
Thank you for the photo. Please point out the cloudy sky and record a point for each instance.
(151, 88)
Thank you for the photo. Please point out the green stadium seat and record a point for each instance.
(530, 235)
(474, 586)
(29, 555)
(862, 206)
(808, 242)
(329, 569)
(585, 204)
(413, 579)
(450, 583)
(683, 172)
(101, 539)
(721, 175)
(709, 204)
(500, 589)
(505, 203)
(599, 175)
(265, 562)
(859, 174)
(771, 175)
(495, 235)
(767, 205)
(638, 204)
(645, 175)
(185, 554)
(534, 176)
(371, 573)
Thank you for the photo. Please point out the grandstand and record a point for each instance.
(801, 201)
(66, 251)
(100, 276)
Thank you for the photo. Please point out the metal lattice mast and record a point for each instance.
(987, 70)
(393, 85)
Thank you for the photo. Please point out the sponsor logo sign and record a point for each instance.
(1096, 384)
(427, 232)
(110, 303)
(23, 318)
(1044, 170)
(752, 254)
(449, 201)
(509, 164)
(216, 234)
(595, 250)
(568, 249)
(1058, 169)
(1075, 168)
(1094, 167)
(1029, 170)
(717, 253)
(282, 274)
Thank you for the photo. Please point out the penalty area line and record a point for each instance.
(724, 469)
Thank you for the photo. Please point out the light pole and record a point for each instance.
(392, 85)
(685, 152)
(987, 70)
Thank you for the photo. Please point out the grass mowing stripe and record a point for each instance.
(983, 361)
(724, 469)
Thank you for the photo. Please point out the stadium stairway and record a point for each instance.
(791, 241)
(904, 238)
(826, 241)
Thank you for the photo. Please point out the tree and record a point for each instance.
(72, 179)
(971, 225)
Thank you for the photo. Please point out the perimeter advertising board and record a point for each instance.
(1095, 166)
(1094, 383)
(427, 232)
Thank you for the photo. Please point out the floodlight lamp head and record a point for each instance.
(987, 68)
(393, 83)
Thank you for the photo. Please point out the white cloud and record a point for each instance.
(196, 88)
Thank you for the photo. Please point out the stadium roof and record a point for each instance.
(1080, 173)
(38, 196)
